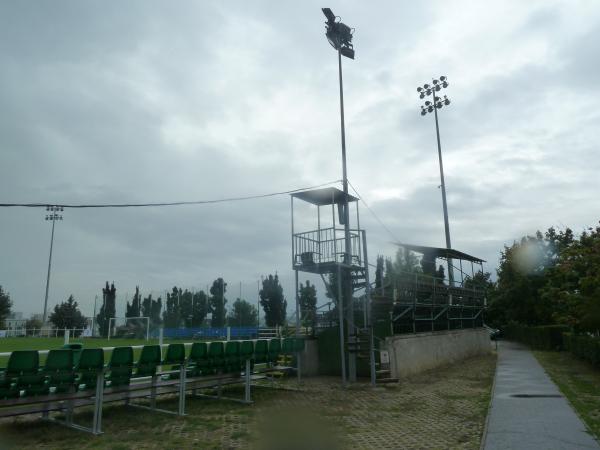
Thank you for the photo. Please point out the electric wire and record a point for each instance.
(373, 213)
(180, 203)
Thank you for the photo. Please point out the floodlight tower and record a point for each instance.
(428, 107)
(53, 216)
(339, 36)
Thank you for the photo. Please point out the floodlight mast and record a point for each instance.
(429, 107)
(339, 36)
(53, 216)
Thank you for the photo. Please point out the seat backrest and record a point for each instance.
(288, 345)
(91, 359)
(149, 360)
(275, 345)
(232, 348)
(121, 356)
(59, 360)
(199, 351)
(261, 347)
(216, 349)
(175, 354)
(23, 362)
(247, 349)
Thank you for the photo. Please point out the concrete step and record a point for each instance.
(382, 371)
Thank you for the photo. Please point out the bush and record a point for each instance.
(583, 346)
(549, 337)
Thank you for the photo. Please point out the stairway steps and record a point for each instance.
(387, 380)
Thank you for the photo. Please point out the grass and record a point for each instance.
(579, 381)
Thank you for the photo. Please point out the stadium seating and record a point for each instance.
(120, 367)
(91, 363)
(199, 362)
(59, 370)
(149, 360)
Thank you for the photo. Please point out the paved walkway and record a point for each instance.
(528, 411)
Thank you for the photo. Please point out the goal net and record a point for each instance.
(129, 327)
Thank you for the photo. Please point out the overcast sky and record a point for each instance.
(163, 101)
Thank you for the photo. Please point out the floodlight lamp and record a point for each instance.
(435, 81)
(437, 88)
(423, 112)
(430, 109)
(426, 86)
(443, 78)
(46, 217)
(62, 208)
(47, 208)
(445, 85)
(422, 95)
(428, 91)
(419, 89)
(427, 103)
(446, 102)
(329, 14)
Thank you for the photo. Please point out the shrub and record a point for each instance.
(549, 337)
(584, 347)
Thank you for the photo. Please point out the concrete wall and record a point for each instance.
(309, 359)
(414, 353)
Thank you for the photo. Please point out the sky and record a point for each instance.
(149, 101)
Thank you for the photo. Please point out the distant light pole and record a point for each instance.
(428, 107)
(53, 217)
(339, 36)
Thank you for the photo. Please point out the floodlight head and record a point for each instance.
(426, 86)
(423, 112)
(437, 88)
(419, 89)
(422, 95)
(427, 103)
(329, 14)
(46, 217)
(435, 81)
(338, 34)
(443, 78)
(445, 85)
(446, 102)
(430, 109)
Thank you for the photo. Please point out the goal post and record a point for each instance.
(112, 324)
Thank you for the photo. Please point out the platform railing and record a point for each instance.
(326, 245)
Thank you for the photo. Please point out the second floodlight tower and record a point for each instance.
(339, 36)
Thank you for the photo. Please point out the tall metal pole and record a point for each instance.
(347, 281)
(48, 276)
(444, 204)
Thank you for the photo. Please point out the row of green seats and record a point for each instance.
(61, 373)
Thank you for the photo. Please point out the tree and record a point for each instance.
(67, 315)
(108, 308)
(152, 309)
(308, 304)
(573, 283)
(273, 301)
(172, 314)
(5, 306)
(379, 273)
(217, 302)
(242, 314)
(134, 310)
(200, 308)
(33, 324)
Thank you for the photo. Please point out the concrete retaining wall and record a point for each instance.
(414, 353)
(309, 359)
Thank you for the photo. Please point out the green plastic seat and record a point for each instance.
(274, 349)
(148, 362)
(232, 356)
(59, 370)
(23, 369)
(77, 348)
(199, 360)
(174, 357)
(261, 351)
(216, 354)
(246, 353)
(120, 367)
(91, 362)
(288, 346)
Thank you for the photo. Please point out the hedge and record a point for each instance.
(584, 347)
(549, 337)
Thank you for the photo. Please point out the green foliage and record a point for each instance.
(185, 308)
(242, 314)
(33, 324)
(5, 306)
(574, 283)
(307, 297)
(67, 315)
(151, 308)
(218, 302)
(379, 273)
(273, 301)
(134, 310)
(172, 313)
(583, 346)
(108, 308)
(548, 337)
